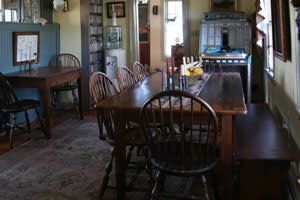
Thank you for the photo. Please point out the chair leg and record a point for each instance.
(100, 126)
(129, 154)
(27, 122)
(75, 102)
(40, 120)
(156, 186)
(148, 168)
(204, 181)
(12, 127)
(108, 170)
(54, 99)
(215, 186)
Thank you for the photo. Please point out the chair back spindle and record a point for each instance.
(139, 72)
(101, 87)
(6, 91)
(125, 78)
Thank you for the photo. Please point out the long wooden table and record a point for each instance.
(44, 78)
(222, 91)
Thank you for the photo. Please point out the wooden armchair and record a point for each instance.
(102, 87)
(181, 132)
(11, 106)
(65, 60)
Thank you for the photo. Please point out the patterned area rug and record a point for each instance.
(69, 166)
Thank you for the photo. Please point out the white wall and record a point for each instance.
(156, 35)
(70, 29)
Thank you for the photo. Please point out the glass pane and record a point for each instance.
(0, 10)
(31, 10)
(11, 8)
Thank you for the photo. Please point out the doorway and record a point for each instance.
(144, 33)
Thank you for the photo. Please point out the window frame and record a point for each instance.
(281, 25)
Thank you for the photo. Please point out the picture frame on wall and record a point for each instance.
(26, 47)
(223, 5)
(117, 7)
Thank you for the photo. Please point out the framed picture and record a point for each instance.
(113, 37)
(26, 47)
(223, 5)
(117, 7)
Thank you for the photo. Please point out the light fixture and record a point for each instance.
(61, 5)
(143, 1)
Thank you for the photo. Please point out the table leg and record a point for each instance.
(80, 92)
(47, 110)
(226, 155)
(120, 160)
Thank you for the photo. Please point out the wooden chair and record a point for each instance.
(65, 60)
(10, 106)
(102, 87)
(139, 72)
(181, 132)
(125, 78)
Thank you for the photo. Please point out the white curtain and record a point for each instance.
(263, 19)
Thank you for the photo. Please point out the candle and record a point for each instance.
(168, 75)
(173, 74)
(184, 66)
(162, 78)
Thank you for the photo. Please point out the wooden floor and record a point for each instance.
(19, 139)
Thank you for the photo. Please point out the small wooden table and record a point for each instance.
(44, 78)
(222, 91)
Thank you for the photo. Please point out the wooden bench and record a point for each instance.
(264, 155)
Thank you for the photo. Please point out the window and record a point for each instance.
(265, 29)
(1, 11)
(11, 10)
(174, 25)
(269, 50)
(19, 11)
(281, 27)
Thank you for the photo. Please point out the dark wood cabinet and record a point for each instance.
(177, 54)
(91, 42)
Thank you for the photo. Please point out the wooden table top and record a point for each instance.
(43, 72)
(222, 91)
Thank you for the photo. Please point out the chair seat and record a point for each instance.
(65, 87)
(20, 106)
(190, 161)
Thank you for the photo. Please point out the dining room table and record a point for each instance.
(44, 78)
(222, 91)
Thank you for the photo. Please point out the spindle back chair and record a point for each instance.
(181, 131)
(10, 106)
(65, 60)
